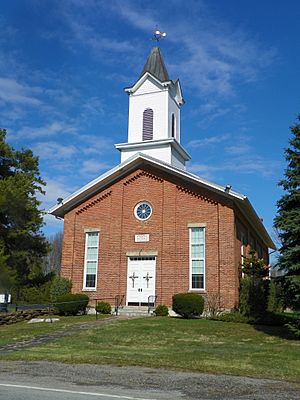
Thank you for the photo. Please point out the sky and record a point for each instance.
(64, 65)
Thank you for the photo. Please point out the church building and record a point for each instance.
(148, 229)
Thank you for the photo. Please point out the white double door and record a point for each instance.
(140, 280)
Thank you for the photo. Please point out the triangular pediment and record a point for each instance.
(147, 84)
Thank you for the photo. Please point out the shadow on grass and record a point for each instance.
(278, 331)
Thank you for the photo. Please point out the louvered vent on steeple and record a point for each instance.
(148, 124)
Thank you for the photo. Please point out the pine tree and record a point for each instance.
(287, 221)
(22, 244)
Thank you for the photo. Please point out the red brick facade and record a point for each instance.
(176, 204)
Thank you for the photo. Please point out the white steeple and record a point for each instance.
(154, 115)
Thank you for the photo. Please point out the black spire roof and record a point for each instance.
(155, 65)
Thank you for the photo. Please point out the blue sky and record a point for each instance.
(64, 64)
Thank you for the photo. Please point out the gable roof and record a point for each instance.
(138, 159)
(155, 66)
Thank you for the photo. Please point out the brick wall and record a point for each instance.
(175, 205)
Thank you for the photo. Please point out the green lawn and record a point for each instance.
(23, 331)
(193, 345)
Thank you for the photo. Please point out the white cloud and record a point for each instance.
(213, 56)
(82, 32)
(96, 144)
(238, 149)
(54, 151)
(51, 129)
(14, 92)
(251, 164)
(55, 188)
(93, 167)
(208, 141)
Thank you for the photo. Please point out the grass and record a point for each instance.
(191, 345)
(10, 334)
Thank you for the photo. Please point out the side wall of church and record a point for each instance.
(176, 205)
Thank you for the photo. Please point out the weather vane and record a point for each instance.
(157, 35)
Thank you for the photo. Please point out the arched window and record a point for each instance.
(148, 124)
(173, 126)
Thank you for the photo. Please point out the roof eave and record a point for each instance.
(249, 212)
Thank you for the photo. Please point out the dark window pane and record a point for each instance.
(197, 281)
(90, 281)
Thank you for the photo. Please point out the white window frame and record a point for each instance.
(87, 233)
(198, 258)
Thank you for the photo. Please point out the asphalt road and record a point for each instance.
(10, 391)
(56, 381)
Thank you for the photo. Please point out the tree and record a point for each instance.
(253, 286)
(52, 261)
(22, 244)
(287, 221)
(254, 267)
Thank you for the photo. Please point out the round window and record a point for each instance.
(143, 211)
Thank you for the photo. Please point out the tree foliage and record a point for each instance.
(22, 244)
(253, 266)
(287, 220)
(253, 286)
(59, 287)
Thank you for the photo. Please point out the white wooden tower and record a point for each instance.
(154, 115)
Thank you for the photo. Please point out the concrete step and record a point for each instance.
(130, 311)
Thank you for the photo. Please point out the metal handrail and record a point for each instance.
(151, 300)
(118, 302)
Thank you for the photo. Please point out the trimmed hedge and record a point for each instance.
(72, 304)
(188, 305)
(161, 311)
(103, 307)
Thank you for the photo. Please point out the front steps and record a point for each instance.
(135, 311)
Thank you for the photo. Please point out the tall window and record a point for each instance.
(173, 126)
(148, 124)
(197, 258)
(91, 260)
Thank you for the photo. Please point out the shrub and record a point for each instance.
(275, 298)
(213, 306)
(276, 319)
(38, 294)
(231, 317)
(253, 296)
(71, 304)
(103, 307)
(294, 327)
(59, 287)
(269, 319)
(188, 305)
(161, 311)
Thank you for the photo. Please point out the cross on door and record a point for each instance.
(147, 277)
(133, 277)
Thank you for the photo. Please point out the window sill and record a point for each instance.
(89, 289)
(197, 291)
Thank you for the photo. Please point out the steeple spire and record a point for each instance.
(155, 66)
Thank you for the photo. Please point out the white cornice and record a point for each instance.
(155, 143)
